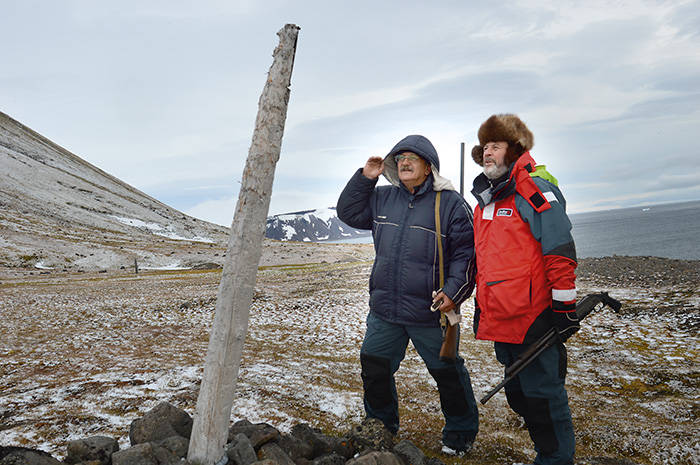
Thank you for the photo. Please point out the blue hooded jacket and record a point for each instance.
(405, 270)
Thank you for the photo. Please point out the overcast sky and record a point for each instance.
(163, 94)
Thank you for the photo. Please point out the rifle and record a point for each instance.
(583, 307)
(449, 321)
(449, 324)
(448, 349)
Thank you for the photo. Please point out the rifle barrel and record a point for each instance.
(545, 341)
(583, 307)
(519, 365)
(493, 391)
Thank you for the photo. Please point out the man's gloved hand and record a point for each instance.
(564, 318)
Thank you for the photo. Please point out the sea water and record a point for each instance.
(667, 230)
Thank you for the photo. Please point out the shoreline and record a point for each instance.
(615, 270)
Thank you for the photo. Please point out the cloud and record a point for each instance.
(164, 95)
(218, 211)
(685, 19)
(221, 210)
(660, 108)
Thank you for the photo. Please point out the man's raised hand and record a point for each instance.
(373, 168)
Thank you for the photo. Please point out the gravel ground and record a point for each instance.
(644, 272)
(87, 353)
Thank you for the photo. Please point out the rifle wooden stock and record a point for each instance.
(583, 308)
(448, 350)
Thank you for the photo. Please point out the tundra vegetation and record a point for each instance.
(85, 354)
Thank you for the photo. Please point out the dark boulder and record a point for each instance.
(371, 434)
(409, 453)
(272, 451)
(376, 458)
(170, 450)
(259, 434)
(140, 454)
(95, 448)
(23, 456)
(296, 448)
(240, 451)
(330, 459)
(163, 421)
(320, 444)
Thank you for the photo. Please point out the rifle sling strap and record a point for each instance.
(438, 233)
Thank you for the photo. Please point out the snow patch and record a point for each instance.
(159, 230)
(325, 214)
(171, 266)
(289, 231)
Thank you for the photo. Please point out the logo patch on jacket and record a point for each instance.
(504, 212)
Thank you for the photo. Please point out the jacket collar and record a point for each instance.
(485, 193)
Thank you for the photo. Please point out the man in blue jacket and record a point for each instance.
(405, 280)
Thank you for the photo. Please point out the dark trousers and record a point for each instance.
(539, 396)
(383, 349)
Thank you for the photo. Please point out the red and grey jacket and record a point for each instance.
(525, 255)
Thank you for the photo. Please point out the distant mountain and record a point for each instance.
(311, 226)
(58, 212)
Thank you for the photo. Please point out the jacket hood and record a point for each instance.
(421, 146)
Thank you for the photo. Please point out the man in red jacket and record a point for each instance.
(525, 258)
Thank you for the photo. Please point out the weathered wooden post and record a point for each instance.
(213, 412)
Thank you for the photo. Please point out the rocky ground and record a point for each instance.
(87, 353)
(646, 272)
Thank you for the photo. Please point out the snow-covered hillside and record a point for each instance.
(59, 212)
(310, 226)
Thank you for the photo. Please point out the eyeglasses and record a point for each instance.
(404, 156)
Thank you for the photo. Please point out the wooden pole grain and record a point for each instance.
(216, 395)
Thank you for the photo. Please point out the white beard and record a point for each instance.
(495, 171)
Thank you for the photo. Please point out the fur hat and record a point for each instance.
(508, 128)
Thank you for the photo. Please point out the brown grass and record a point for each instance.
(84, 354)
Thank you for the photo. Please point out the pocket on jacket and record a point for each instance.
(509, 295)
(383, 235)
